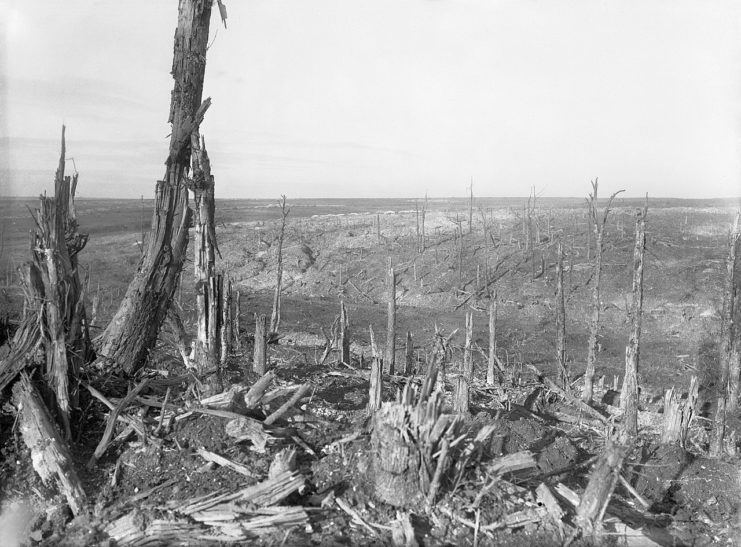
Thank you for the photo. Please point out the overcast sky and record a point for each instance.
(374, 98)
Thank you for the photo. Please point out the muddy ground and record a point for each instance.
(343, 254)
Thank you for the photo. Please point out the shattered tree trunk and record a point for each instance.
(208, 285)
(470, 210)
(678, 414)
(491, 372)
(602, 481)
(390, 357)
(629, 395)
(49, 454)
(375, 388)
(461, 400)
(599, 230)
(726, 346)
(133, 331)
(344, 335)
(411, 453)
(275, 316)
(408, 356)
(55, 244)
(561, 324)
(260, 359)
(227, 324)
(734, 332)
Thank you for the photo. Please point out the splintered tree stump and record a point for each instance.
(375, 389)
(411, 447)
(678, 414)
(396, 458)
(50, 456)
(460, 398)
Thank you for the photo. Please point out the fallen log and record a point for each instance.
(285, 407)
(50, 456)
(602, 481)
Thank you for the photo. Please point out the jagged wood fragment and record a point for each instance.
(549, 501)
(256, 392)
(511, 462)
(108, 433)
(225, 462)
(248, 429)
(284, 460)
(230, 399)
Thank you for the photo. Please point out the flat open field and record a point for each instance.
(351, 242)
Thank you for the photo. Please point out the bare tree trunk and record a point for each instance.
(227, 331)
(259, 361)
(629, 395)
(376, 385)
(408, 356)
(423, 242)
(491, 372)
(344, 335)
(561, 324)
(275, 316)
(717, 444)
(470, 210)
(599, 228)
(390, 357)
(733, 333)
(133, 331)
(461, 402)
(416, 218)
(467, 350)
(237, 317)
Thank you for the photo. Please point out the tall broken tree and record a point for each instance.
(275, 316)
(390, 357)
(208, 285)
(727, 391)
(133, 331)
(629, 395)
(598, 224)
(733, 333)
(561, 324)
